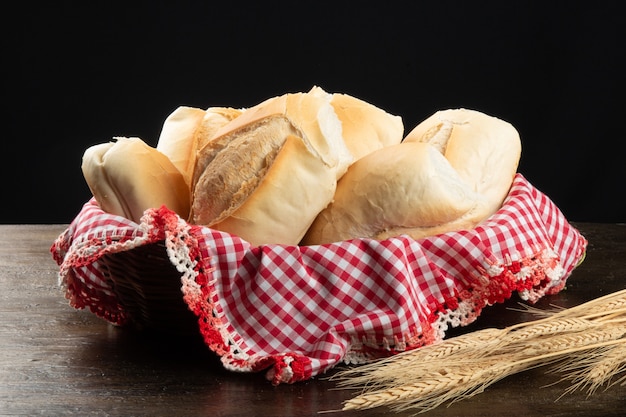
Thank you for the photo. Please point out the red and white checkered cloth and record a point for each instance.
(298, 311)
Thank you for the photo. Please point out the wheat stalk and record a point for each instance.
(466, 344)
(612, 302)
(547, 327)
(461, 378)
(587, 343)
(434, 388)
(595, 369)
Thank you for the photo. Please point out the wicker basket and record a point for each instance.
(147, 286)
(297, 311)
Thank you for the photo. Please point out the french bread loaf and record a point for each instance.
(266, 174)
(406, 188)
(127, 176)
(450, 173)
(483, 149)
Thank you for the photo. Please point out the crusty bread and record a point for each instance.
(397, 189)
(450, 173)
(188, 129)
(365, 127)
(128, 176)
(483, 149)
(266, 174)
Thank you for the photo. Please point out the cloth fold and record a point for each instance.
(297, 311)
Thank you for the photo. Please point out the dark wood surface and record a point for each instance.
(58, 361)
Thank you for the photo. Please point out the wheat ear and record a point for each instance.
(461, 378)
(592, 370)
(469, 344)
(587, 342)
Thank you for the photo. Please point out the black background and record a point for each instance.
(77, 74)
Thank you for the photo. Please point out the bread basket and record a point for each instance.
(147, 286)
(296, 312)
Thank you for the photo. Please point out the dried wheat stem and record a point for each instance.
(595, 369)
(433, 387)
(567, 343)
(460, 378)
(610, 302)
(589, 342)
(610, 315)
(474, 345)
(613, 363)
(540, 328)
(417, 358)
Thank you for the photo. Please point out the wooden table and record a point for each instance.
(57, 361)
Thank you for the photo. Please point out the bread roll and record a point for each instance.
(266, 174)
(450, 173)
(483, 149)
(406, 188)
(188, 129)
(365, 127)
(128, 176)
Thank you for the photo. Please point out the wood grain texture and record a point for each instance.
(58, 361)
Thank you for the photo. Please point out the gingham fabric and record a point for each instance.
(297, 311)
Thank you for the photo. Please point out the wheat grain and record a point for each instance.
(417, 360)
(474, 344)
(588, 343)
(608, 303)
(432, 389)
(479, 339)
(549, 348)
(608, 366)
(459, 380)
(565, 343)
(564, 336)
(595, 369)
(516, 334)
(613, 302)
